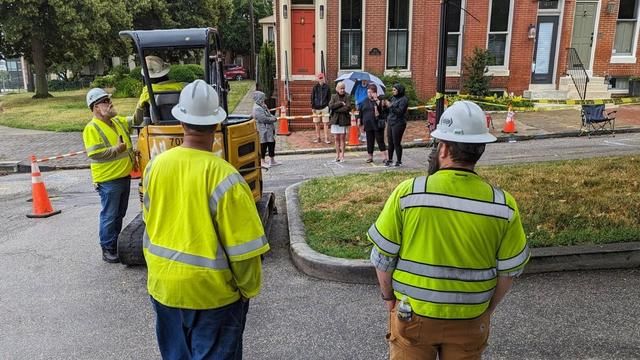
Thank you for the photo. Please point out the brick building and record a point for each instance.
(528, 38)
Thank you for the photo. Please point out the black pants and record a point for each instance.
(271, 146)
(378, 136)
(394, 138)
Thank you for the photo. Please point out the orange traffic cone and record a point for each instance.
(41, 204)
(354, 132)
(283, 122)
(135, 172)
(510, 123)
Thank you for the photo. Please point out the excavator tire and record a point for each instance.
(130, 243)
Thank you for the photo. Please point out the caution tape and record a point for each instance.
(61, 156)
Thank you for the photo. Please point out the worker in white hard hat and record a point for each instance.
(110, 151)
(203, 238)
(447, 247)
(160, 82)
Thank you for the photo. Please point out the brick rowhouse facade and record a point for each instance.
(514, 77)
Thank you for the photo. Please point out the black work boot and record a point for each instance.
(110, 256)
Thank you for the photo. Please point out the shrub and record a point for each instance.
(197, 70)
(61, 85)
(475, 81)
(107, 81)
(119, 71)
(266, 69)
(127, 87)
(409, 88)
(186, 73)
(136, 73)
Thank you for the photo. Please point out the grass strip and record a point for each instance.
(67, 111)
(574, 202)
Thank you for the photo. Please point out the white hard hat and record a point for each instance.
(463, 122)
(94, 95)
(199, 105)
(157, 67)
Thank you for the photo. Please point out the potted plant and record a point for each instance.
(634, 86)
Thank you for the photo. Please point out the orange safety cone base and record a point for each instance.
(510, 123)
(283, 127)
(354, 136)
(45, 215)
(41, 205)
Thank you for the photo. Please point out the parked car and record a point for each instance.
(233, 71)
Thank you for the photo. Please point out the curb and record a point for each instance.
(550, 259)
(417, 144)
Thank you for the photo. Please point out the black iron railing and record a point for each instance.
(322, 69)
(575, 69)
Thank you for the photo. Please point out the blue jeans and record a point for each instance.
(114, 198)
(201, 334)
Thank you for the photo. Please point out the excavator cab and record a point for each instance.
(235, 139)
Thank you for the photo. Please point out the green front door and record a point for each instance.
(583, 31)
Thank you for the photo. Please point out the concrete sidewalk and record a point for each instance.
(529, 125)
(18, 145)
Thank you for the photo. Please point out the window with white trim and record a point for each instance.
(270, 34)
(454, 32)
(626, 27)
(498, 41)
(398, 34)
(351, 34)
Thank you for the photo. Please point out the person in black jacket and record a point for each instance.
(396, 122)
(371, 119)
(320, 96)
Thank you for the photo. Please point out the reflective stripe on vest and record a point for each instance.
(504, 265)
(442, 297)
(247, 247)
(220, 262)
(419, 185)
(145, 186)
(457, 204)
(384, 244)
(446, 272)
(221, 189)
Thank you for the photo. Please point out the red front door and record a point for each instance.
(303, 41)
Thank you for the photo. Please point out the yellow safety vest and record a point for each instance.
(97, 137)
(169, 85)
(452, 234)
(200, 215)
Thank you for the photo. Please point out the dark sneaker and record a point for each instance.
(387, 163)
(398, 163)
(110, 256)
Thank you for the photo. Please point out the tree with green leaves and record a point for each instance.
(266, 69)
(236, 29)
(56, 32)
(60, 35)
(476, 81)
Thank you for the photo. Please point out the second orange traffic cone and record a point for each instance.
(41, 205)
(283, 122)
(135, 171)
(354, 132)
(510, 123)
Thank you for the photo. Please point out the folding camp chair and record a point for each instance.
(595, 119)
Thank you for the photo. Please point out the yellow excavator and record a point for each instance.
(236, 139)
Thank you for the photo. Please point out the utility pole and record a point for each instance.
(442, 60)
(253, 42)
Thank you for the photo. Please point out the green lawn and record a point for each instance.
(67, 110)
(561, 203)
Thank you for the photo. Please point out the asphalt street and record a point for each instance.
(59, 300)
